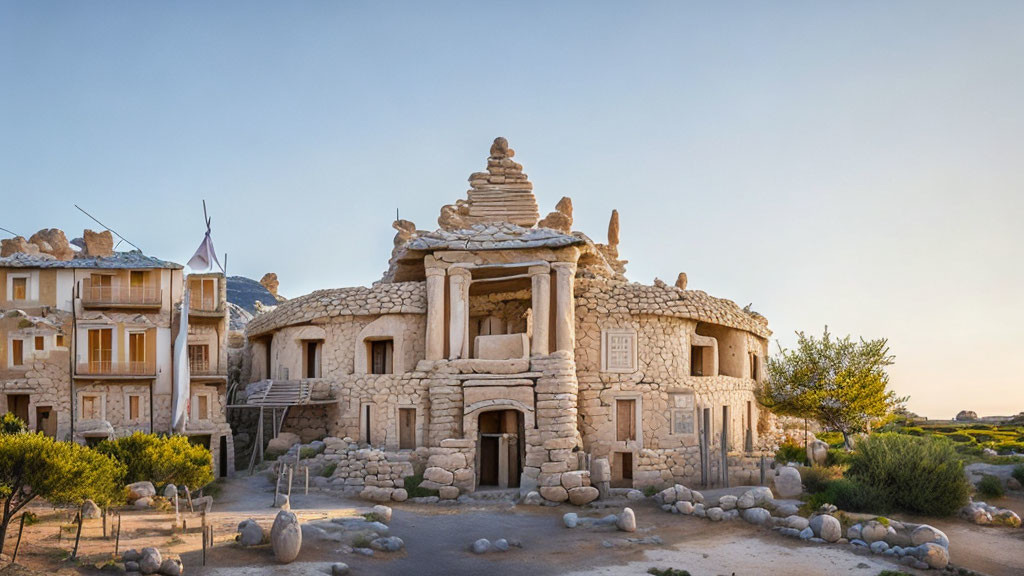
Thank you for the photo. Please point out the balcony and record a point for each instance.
(205, 369)
(205, 308)
(120, 296)
(109, 369)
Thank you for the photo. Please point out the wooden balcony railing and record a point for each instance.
(204, 368)
(204, 305)
(109, 368)
(128, 296)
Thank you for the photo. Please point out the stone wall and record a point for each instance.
(47, 384)
(451, 468)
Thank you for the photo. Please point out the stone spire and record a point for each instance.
(502, 194)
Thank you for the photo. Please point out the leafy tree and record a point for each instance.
(161, 459)
(34, 465)
(838, 382)
(11, 424)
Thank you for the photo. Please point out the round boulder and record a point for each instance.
(817, 452)
(570, 520)
(138, 490)
(250, 533)
(90, 510)
(933, 555)
(339, 569)
(627, 520)
(170, 567)
(170, 491)
(286, 536)
(481, 546)
(727, 502)
(150, 561)
(684, 507)
(826, 527)
(383, 513)
(757, 516)
(873, 531)
(787, 483)
(583, 495)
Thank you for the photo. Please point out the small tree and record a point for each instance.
(838, 382)
(161, 459)
(11, 424)
(34, 465)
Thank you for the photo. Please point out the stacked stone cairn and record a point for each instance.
(503, 193)
(986, 514)
(916, 545)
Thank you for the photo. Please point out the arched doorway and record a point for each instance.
(501, 448)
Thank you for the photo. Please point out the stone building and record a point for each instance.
(86, 341)
(509, 350)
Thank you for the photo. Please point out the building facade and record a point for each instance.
(511, 350)
(86, 341)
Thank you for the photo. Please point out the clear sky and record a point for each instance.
(856, 164)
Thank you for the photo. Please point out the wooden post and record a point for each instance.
(277, 486)
(763, 473)
(17, 543)
(204, 546)
(78, 535)
(307, 480)
(117, 537)
(725, 446)
(289, 485)
(104, 515)
(188, 496)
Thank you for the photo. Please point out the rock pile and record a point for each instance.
(984, 514)
(150, 561)
(918, 546)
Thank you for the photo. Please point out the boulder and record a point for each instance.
(1005, 517)
(150, 561)
(140, 490)
(170, 491)
(627, 521)
(250, 533)
(438, 475)
(925, 533)
(52, 241)
(684, 507)
(826, 527)
(170, 567)
(533, 499)
(806, 533)
(698, 498)
(383, 513)
(787, 483)
(727, 502)
(571, 520)
(387, 544)
(873, 531)
(933, 555)
(554, 493)
(699, 511)
(966, 416)
(98, 244)
(783, 510)
(817, 452)
(756, 497)
(283, 502)
(715, 514)
(878, 547)
(758, 516)
(339, 569)
(131, 566)
(853, 532)
(634, 495)
(583, 495)
(572, 479)
(131, 555)
(400, 495)
(796, 522)
(286, 536)
(142, 503)
(481, 546)
(90, 510)
(501, 545)
(283, 442)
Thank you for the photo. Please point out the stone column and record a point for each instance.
(458, 336)
(435, 313)
(565, 307)
(541, 278)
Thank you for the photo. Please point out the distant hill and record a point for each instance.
(244, 292)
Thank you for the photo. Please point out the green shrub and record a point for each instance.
(791, 452)
(11, 424)
(161, 459)
(1018, 473)
(308, 452)
(990, 486)
(834, 439)
(838, 457)
(982, 437)
(817, 478)
(328, 470)
(921, 475)
(851, 496)
(912, 431)
(412, 486)
(958, 437)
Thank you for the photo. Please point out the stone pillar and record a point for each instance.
(565, 307)
(541, 277)
(458, 337)
(435, 313)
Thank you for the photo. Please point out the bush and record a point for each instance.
(851, 496)
(412, 486)
(161, 459)
(791, 452)
(990, 486)
(834, 439)
(307, 452)
(816, 479)
(838, 457)
(921, 475)
(11, 424)
(912, 431)
(1018, 473)
(959, 437)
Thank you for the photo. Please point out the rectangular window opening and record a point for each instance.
(382, 356)
(17, 352)
(19, 289)
(625, 420)
(407, 428)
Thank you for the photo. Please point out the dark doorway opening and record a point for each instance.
(46, 421)
(17, 404)
(223, 464)
(501, 448)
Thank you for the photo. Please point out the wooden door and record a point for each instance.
(137, 351)
(625, 420)
(100, 341)
(17, 404)
(407, 428)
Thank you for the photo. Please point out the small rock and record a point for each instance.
(481, 546)
(339, 569)
(170, 491)
(131, 555)
(933, 555)
(570, 520)
(140, 490)
(634, 495)
(806, 533)
(879, 546)
(383, 513)
(727, 502)
(758, 516)
(501, 544)
(144, 502)
(250, 533)
(627, 520)
(170, 567)
(388, 544)
(715, 514)
(796, 522)
(684, 507)
(131, 566)
(533, 499)
(826, 527)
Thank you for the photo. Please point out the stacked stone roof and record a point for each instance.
(133, 259)
(605, 296)
(492, 236)
(382, 298)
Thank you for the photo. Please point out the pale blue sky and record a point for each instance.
(851, 163)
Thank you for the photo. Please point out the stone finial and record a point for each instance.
(98, 244)
(561, 218)
(613, 229)
(52, 241)
(500, 149)
(406, 231)
(681, 281)
(269, 281)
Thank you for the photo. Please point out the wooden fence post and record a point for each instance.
(117, 538)
(78, 535)
(307, 479)
(17, 544)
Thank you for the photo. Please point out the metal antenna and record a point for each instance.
(112, 231)
(9, 232)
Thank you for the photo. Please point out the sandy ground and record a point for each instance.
(438, 539)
